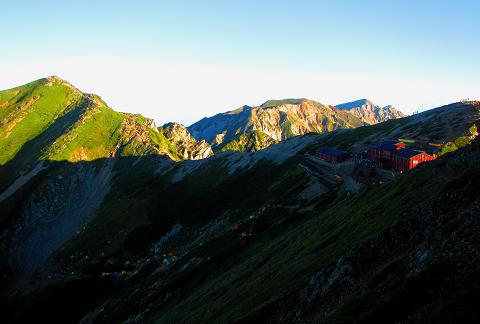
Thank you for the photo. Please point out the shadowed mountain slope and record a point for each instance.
(250, 236)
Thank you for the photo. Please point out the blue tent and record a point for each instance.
(166, 262)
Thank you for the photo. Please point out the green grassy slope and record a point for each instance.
(29, 110)
(102, 132)
(51, 120)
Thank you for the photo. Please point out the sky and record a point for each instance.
(185, 60)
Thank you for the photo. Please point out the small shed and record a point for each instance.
(331, 155)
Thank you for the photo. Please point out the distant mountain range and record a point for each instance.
(277, 120)
(51, 119)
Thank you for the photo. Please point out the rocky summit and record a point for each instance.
(288, 212)
(370, 113)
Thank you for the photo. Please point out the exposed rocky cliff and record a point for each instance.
(278, 119)
(370, 113)
(186, 146)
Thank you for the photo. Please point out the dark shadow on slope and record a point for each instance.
(63, 302)
(194, 201)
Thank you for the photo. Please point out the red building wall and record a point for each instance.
(386, 154)
(419, 159)
(376, 153)
(400, 163)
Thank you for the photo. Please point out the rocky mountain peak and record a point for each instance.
(276, 119)
(369, 112)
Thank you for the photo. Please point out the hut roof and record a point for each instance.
(331, 151)
(408, 153)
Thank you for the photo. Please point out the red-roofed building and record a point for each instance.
(331, 155)
(393, 154)
(407, 159)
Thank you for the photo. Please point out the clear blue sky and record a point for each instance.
(428, 42)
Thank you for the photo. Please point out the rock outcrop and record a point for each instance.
(186, 146)
(249, 142)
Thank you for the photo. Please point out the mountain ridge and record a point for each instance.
(284, 118)
(270, 235)
(278, 119)
(137, 130)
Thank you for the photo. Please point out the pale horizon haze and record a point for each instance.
(182, 61)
